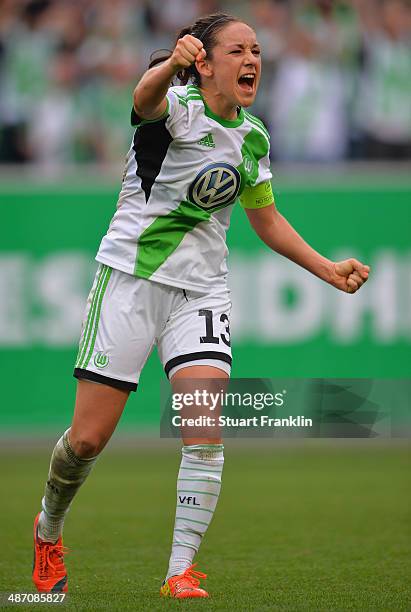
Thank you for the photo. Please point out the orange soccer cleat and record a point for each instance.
(49, 574)
(184, 585)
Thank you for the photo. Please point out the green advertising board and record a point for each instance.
(285, 322)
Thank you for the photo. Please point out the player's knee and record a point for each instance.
(87, 445)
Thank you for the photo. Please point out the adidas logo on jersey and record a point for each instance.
(207, 141)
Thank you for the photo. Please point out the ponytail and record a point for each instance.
(162, 56)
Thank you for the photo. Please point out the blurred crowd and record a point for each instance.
(336, 75)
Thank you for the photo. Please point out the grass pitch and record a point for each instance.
(313, 527)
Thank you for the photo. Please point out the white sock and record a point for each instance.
(198, 488)
(66, 474)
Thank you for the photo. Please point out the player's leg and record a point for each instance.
(97, 410)
(112, 352)
(198, 490)
(200, 358)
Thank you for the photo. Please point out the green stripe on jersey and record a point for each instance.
(256, 121)
(163, 236)
(182, 100)
(192, 94)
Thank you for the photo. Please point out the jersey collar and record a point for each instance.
(228, 123)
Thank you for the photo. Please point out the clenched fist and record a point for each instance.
(349, 275)
(187, 50)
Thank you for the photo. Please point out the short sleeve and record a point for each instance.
(175, 114)
(264, 168)
(179, 117)
(136, 120)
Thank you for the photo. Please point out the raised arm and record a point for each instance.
(273, 229)
(150, 94)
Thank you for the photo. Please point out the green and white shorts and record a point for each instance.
(126, 316)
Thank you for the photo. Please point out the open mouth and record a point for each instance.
(246, 82)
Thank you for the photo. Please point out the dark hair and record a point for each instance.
(205, 29)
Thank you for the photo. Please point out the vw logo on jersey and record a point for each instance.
(215, 185)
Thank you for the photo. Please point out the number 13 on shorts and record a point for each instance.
(199, 333)
(209, 336)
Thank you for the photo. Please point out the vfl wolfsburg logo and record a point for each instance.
(248, 164)
(101, 360)
(215, 185)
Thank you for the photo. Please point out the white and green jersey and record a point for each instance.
(184, 172)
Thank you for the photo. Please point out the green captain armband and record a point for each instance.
(259, 196)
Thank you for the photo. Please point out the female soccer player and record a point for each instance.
(162, 274)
